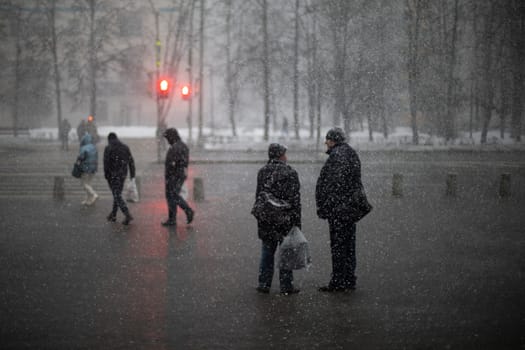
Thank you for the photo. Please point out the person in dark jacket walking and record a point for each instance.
(175, 173)
(117, 160)
(282, 181)
(340, 177)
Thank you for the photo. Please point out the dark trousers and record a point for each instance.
(266, 268)
(116, 184)
(174, 199)
(342, 245)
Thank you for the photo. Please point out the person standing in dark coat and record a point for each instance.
(282, 181)
(340, 177)
(175, 173)
(117, 160)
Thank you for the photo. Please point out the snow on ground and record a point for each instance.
(253, 138)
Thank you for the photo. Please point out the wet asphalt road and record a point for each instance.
(434, 272)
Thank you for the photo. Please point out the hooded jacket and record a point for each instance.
(88, 155)
(117, 160)
(176, 164)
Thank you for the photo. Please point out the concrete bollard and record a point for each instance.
(504, 185)
(198, 189)
(59, 188)
(452, 184)
(397, 185)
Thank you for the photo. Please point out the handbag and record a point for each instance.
(360, 206)
(271, 209)
(77, 170)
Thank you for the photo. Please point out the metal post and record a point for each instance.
(504, 185)
(198, 189)
(58, 188)
(452, 184)
(397, 185)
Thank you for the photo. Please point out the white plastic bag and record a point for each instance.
(132, 193)
(294, 253)
(184, 191)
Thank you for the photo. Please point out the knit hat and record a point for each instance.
(276, 150)
(336, 134)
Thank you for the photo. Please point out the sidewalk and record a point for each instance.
(433, 272)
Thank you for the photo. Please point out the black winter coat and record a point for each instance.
(176, 164)
(117, 160)
(340, 177)
(282, 181)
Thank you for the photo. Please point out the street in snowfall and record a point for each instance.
(435, 270)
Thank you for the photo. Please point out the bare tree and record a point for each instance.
(26, 61)
(518, 68)
(52, 45)
(266, 69)
(296, 72)
(414, 9)
(201, 65)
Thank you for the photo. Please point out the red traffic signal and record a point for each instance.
(163, 88)
(185, 92)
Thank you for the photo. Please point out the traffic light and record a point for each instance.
(163, 88)
(185, 92)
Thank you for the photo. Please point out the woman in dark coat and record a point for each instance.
(282, 181)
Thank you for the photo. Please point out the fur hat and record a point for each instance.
(336, 134)
(276, 150)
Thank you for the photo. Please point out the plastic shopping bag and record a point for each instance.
(184, 191)
(132, 193)
(294, 253)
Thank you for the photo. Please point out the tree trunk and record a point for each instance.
(296, 73)
(488, 86)
(369, 121)
(450, 130)
(92, 61)
(518, 52)
(413, 76)
(201, 68)
(18, 75)
(229, 76)
(189, 118)
(266, 72)
(52, 24)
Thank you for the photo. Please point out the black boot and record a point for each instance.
(127, 219)
(169, 222)
(189, 216)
